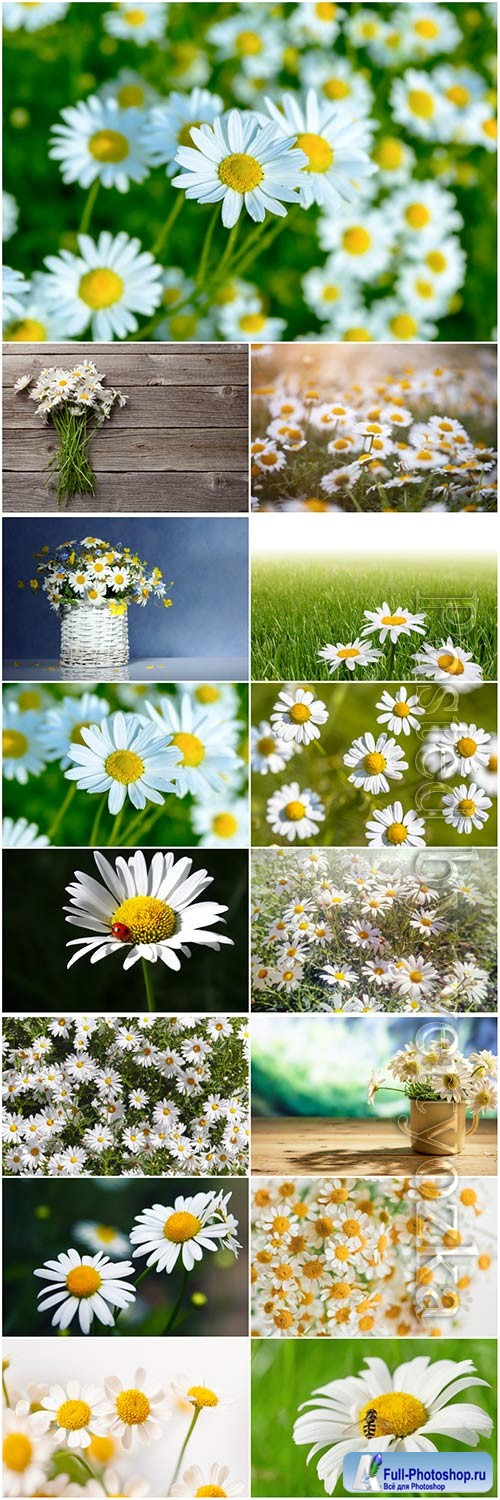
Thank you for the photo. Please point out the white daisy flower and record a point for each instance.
(152, 914)
(75, 1411)
(216, 1482)
(462, 748)
(21, 14)
(392, 623)
(296, 716)
(340, 977)
(20, 834)
(452, 1081)
(222, 822)
(374, 762)
(203, 743)
(395, 160)
(14, 289)
(392, 826)
(63, 723)
(417, 102)
(26, 1451)
(415, 978)
(487, 776)
(252, 38)
(250, 323)
(201, 1397)
(337, 81)
(99, 141)
(22, 745)
(137, 23)
(134, 1411)
(295, 814)
(104, 286)
(356, 654)
(102, 1236)
(427, 29)
(400, 712)
(336, 148)
(125, 758)
(449, 664)
(193, 1225)
(466, 807)
(130, 90)
(361, 239)
(242, 163)
(168, 125)
(422, 210)
(84, 1286)
(391, 322)
(268, 751)
(268, 457)
(325, 291)
(408, 1404)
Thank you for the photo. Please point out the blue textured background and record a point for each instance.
(205, 556)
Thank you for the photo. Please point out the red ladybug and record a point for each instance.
(120, 931)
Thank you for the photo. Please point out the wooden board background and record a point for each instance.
(180, 443)
(289, 1146)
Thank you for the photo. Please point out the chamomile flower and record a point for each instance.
(20, 834)
(98, 141)
(251, 37)
(203, 741)
(423, 210)
(217, 1481)
(137, 23)
(417, 103)
(193, 1225)
(326, 291)
(32, 17)
(361, 239)
(427, 29)
(84, 1286)
(392, 323)
(147, 913)
(102, 1237)
(338, 82)
(356, 654)
(168, 125)
(487, 776)
(297, 715)
(336, 148)
(316, 23)
(395, 160)
(125, 758)
(73, 1413)
(63, 723)
(201, 1397)
(448, 664)
(221, 822)
(394, 827)
(463, 748)
(295, 814)
(374, 763)
(104, 286)
(134, 1411)
(415, 979)
(269, 752)
(248, 323)
(243, 164)
(22, 744)
(392, 622)
(26, 1451)
(466, 807)
(400, 712)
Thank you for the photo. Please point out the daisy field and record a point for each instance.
(208, 173)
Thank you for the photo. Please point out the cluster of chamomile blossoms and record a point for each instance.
(435, 1069)
(396, 442)
(105, 1097)
(351, 1258)
(354, 117)
(95, 572)
(332, 931)
(458, 751)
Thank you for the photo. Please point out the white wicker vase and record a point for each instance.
(92, 637)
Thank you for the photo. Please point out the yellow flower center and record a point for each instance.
(325, 10)
(336, 88)
(295, 811)
(132, 1407)
(101, 1448)
(184, 136)
(436, 261)
(105, 1234)
(76, 737)
(300, 713)
(421, 103)
(426, 28)
(403, 326)
(224, 825)
(201, 1395)
(210, 1489)
(148, 919)
(241, 172)
(356, 240)
(467, 807)
(425, 289)
(109, 146)
(489, 128)
(397, 833)
(266, 745)
(351, 1228)
(207, 693)
(14, 744)
(346, 652)
(466, 746)
(248, 43)
(416, 976)
(397, 1412)
(401, 710)
(417, 215)
(181, 1227)
(493, 763)
(252, 322)
(193, 751)
(393, 620)
(100, 288)
(83, 1281)
(388, 154)
(124, 766)
(375, 762)
(16, 1452)
(317, 149)
(130, 96)
(358, 335)
(73, 1415)
(450, 664)
(135, 17)
(26, 331)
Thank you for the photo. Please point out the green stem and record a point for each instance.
(62, 810)
(392, 654)
(170, 220)
(89, 1470)
(148, 985)
(189, 1434)
(177, 1305)
(5, 1391)
(89, 206)
(96, 822)
(116, 824)
(207, 243)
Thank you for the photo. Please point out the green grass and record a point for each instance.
(285, 1373)
(320, 766)
(299, 605)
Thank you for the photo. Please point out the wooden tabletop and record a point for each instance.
(180, 443)
(377, 1148)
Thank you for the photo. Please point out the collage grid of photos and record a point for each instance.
(249, 734)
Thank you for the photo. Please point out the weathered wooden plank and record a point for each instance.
(199, 492)
(212, 448)
(128, 365)
(363, 1148)
(149, 406)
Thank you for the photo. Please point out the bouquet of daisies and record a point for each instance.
(436, 1070)
(77, 403)
(95, 572)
